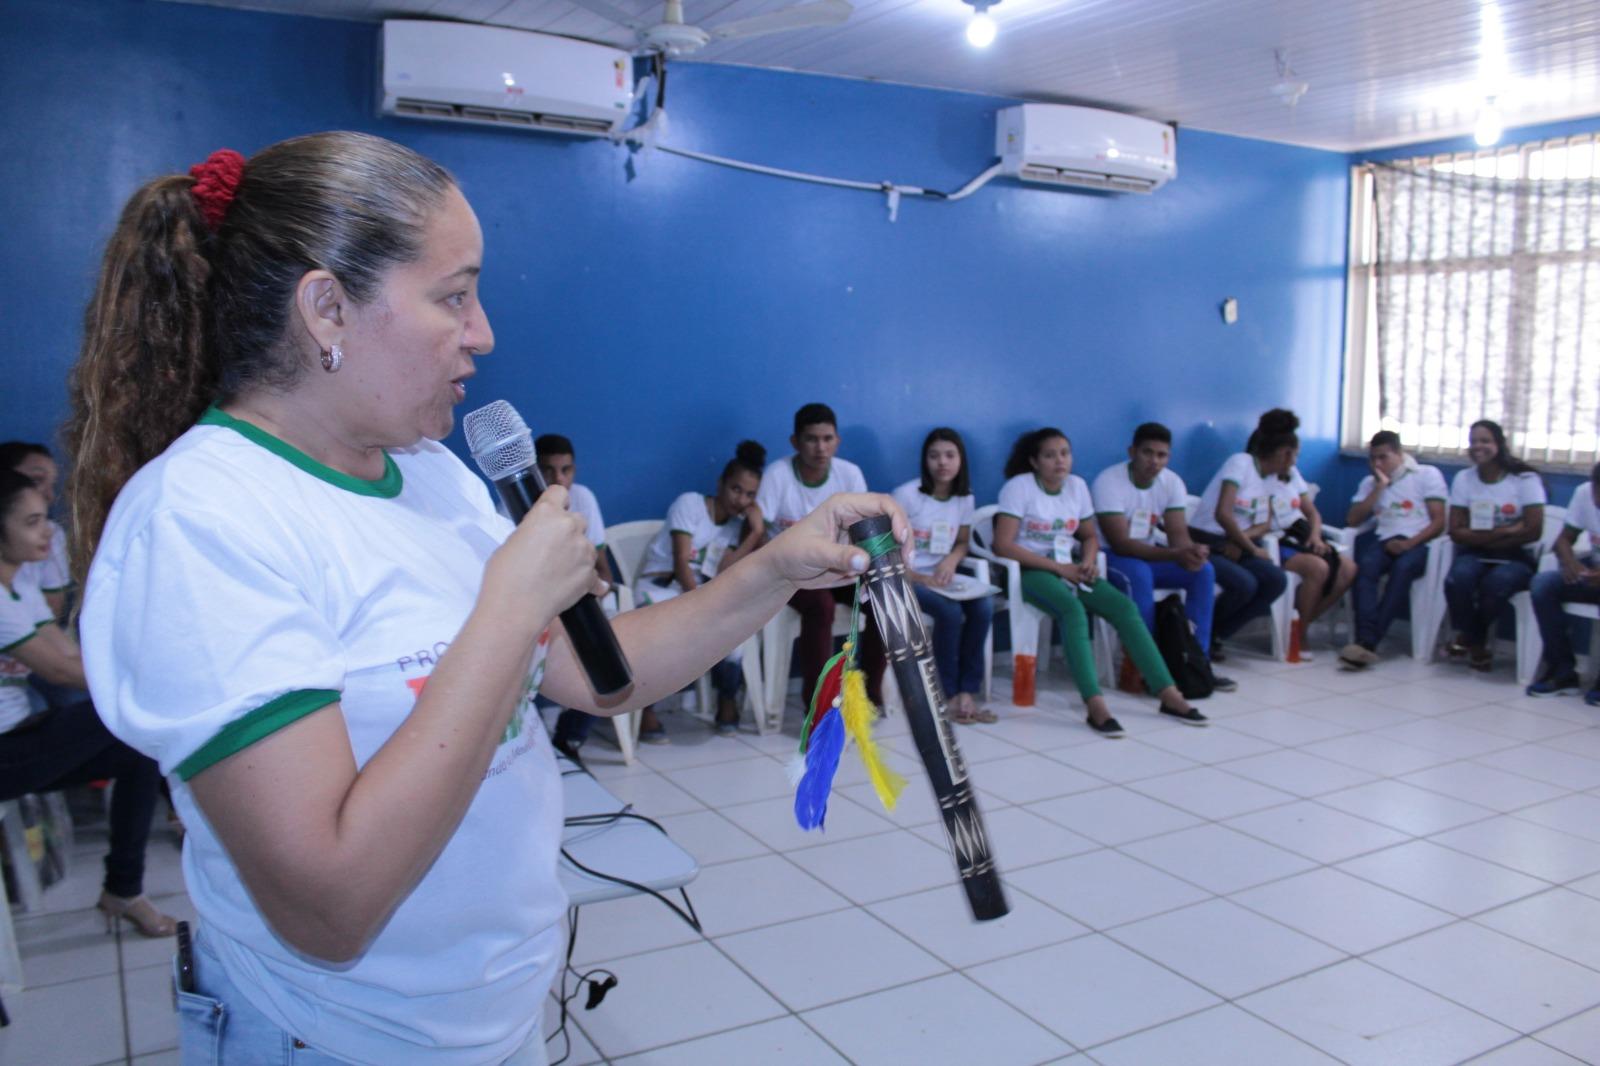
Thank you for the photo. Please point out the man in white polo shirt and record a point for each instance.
(792, 488)
(1133, 501)
(1576, 580)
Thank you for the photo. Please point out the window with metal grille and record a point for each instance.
(1475, 293)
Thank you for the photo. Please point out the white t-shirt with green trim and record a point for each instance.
(581, 501)
(690, 513)
(785, 499)
(1491, 505)
(935, 523)
(1584, 516)
(1286, 496)
(238, 586)
(22, 613)
(1252, 501)
(1144, 506)
(1048, 522)
(1402, 507)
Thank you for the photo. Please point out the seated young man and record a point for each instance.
(558, 463)
(792, 488)
(1132, 501)
(1576, 581)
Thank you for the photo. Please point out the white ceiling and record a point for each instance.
(1380, 72)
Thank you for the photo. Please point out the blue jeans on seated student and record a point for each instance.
(959, 629)
(217, 1026)
(572, 727)
(1141, 578)
(1478, 588)
(1375, 613)
(1550, 591)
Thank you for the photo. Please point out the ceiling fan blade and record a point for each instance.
(613, 14)
(798, 17)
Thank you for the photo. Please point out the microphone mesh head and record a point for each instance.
(498, 439)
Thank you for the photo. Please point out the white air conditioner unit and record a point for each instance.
(1055, 144)
(463, 72)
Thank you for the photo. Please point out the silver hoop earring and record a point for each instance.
(333, 359)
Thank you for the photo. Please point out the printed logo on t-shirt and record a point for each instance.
(530, 687)
(1046, 530)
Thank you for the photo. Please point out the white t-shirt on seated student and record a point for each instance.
(1252, 500)
(1286, 496)
(1402, 507)
(239, 586)
(1144, 506)
(1048, 522)
(708, 542)
(1500, 503)
(1582, 515)
(934, 523)
(23, 613)
(785, 499)
(582, 502)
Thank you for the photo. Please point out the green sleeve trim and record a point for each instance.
(1440, 499)
(1010, 514)
(24, 640)
(55, 588)
(1109, 512)
(387, 487)
(685, 532)
(1230, 481)
(257, 725)
(1176, 507)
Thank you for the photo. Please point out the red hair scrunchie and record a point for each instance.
(215, 183)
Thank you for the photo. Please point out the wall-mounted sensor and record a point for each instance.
(1230, 310)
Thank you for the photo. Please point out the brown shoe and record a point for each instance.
(138, 910)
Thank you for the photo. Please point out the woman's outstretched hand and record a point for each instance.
(815, 552)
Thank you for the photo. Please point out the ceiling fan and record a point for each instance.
(674, 37)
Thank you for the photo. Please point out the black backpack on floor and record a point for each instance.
(1186, 660)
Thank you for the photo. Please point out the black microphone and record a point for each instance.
(503, 448)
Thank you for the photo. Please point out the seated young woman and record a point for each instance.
(1325, 575)
(1045, 521)
(1496, 516)
(1407, 499)
(940, 504)
(65, 745)
(702, 535)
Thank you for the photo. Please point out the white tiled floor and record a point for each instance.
(1400, 866)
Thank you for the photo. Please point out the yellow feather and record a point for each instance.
(859, 714)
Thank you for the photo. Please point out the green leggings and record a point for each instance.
(1067, 606)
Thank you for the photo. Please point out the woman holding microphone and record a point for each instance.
(308, 612)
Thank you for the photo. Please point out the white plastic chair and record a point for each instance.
(1030, 627)
(777, 654)
(627, 541)
(1530, 643)
(1427, 591)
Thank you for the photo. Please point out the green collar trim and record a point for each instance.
(386, 487)
(1046, 491)
(794, 464)
(1135, 481)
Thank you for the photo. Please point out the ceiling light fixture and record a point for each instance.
(1288, 88)
(981, 30)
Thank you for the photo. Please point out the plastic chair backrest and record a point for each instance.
(628, 541)
(1554, 519)
(983, 530)
(1191, 506)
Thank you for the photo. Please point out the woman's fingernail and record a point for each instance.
(858, 562)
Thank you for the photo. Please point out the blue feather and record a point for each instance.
(822, 762)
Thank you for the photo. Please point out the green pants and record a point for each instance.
(1069, 607)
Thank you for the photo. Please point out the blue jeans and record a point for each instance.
(1249, 588)
(1478, 589)
(959, 629)
(1550, 591)
(1375, 613)
(217, 1026)
(1141, 578)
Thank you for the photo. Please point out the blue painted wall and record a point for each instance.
(658, 320)
(1350, 469)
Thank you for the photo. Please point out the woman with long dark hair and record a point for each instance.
(940, 505)
(308, 611)
(1496, 512)
(1046, 523)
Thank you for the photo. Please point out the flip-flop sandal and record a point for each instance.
(962, 716)
(985, 716)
